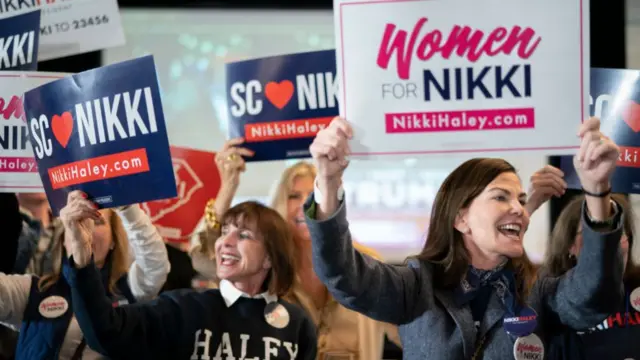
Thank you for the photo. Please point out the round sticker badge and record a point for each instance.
(276, 315)
(634, 298)
(528, 348)
(523, 324)
(53, 307)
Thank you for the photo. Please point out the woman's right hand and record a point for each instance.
(230, 162)
(78, 218)
(330, 149)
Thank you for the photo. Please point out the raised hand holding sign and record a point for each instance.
(78, 217)
(596, 159)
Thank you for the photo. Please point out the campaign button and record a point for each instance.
(528, 348)
(523, 324)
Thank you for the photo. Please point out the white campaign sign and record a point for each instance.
(18, 171)
(71, 27)
(463, 76)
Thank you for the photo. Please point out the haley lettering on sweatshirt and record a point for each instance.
(274, 348)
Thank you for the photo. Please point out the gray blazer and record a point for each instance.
(431, 326)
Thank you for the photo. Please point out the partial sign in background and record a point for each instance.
(279, 103)
(197, 181)
(497, 77)
(615, 99)
(19, 36)
(71, 27)
(102, 131)
(18, 170)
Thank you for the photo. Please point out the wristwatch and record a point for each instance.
(317, 194)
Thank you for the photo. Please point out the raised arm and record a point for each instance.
(150, 267)
(589, 292)
(593, 289)
(230, 163)
(381, 291)
(139, 331)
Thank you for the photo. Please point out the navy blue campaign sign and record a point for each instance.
(279, 103)
(19, 37)
(102, 131)
(615, 99)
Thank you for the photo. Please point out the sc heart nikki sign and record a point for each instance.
(278, 104)
(102, 132)
(615, 99)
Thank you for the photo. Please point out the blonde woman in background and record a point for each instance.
(342, 333)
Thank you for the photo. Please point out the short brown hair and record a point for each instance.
(444, 247)
(557, 260)
(277, 239)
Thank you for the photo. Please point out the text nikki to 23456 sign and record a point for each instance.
(103, 132)
(279, 103)
(462, 76)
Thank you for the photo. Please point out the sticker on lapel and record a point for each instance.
(53, 307)
(528, 348)
(634, 298)
(523, 324)
(276, 315)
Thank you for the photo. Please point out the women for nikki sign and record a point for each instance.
(463, 76)
(279, 103)
(18, 170)
(103, 132)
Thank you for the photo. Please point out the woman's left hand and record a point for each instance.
(596, 160)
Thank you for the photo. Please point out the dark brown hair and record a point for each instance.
(444, 247)
(557, 260)
(277, 238)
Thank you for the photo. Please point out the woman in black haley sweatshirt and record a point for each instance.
(244, 319)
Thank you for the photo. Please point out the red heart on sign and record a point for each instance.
(62, 126)
(631, 115)
(279, 94)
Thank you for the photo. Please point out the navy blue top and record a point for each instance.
(185, 324)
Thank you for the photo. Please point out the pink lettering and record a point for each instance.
(462, 40)
(12, 109)
(529, 348)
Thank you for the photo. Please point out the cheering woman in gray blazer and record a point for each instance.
(471, 292)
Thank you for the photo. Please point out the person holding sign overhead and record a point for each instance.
(244, 319)
(471, 293)
(41, 307)
(614, 336)
(340, 331)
